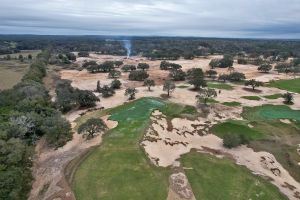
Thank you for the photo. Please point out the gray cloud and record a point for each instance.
(213, 18)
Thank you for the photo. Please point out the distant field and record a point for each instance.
(292, 85)
(11, 72)
(212, 178)
(25, 53)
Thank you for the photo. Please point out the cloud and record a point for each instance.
(213, 18)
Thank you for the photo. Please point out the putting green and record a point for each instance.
(269, 112)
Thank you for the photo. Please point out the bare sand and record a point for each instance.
(164, 147)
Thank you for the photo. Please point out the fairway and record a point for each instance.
(292, 85)
(119, 169)
(270, 112)
(212, 178)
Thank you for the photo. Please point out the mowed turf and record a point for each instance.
(292, 85)
(212, 178)
(119, 169)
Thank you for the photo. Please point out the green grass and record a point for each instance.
(182, 86)
(292, 85)
(232, 103)
(253, 98)
(11, 72)
(119, 168)
(221, 86)
(236, 127)
(212, 178)
(270, 112)
(273, 96)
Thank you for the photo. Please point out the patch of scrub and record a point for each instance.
(119, 169)
(213, 178)
(232, 103)
(270, 112)
(292, 85)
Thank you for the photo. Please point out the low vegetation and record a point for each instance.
(252, 98)
(291, 85)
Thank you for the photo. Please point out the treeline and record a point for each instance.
(27, 114)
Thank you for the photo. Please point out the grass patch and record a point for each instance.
(270, 112)
(292, 85)
(232, 103)
(119, 168)
(273, 96)
(238, 128)
(182, 86)
(212, 178)
(253, 98)
(221, 86)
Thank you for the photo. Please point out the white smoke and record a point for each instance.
(127, 45)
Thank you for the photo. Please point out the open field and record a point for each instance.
(24, 53)
(292, 85)
(11, 72)
(213, 178)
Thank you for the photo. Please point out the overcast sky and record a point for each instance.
(206, 18)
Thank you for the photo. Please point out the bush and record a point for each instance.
(83, 54)
(127, 68)
(116, 84)
(143, 66)
(234, 140)
(138, 75)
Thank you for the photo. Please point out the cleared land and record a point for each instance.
(11, 72)
(213, 178)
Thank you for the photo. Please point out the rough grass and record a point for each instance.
(273, 96)
(292, 85)
(232, 103)
(221, 86)
(238, 128)
(11, 72)
(213, 178)
(119, 168)
(253, 98)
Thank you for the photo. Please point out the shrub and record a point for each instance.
(138, 75)
(91, 127)
(116, 84)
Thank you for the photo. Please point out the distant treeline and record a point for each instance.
(170, 48)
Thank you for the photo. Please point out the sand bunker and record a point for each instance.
(163, 146)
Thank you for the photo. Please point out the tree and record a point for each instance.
(149, 83)
(89, 64)
(127, 68)
(223, 77)
(29, 57)
(138, 75)
(214, 63)
(83, 54)
(91, 127)
(118, 63)
(114, 74)
(71, 56)
(242, 61)
(86, 98)
(288, 98)
(236, 76)
(283, 67)
(211, 73)
(205, 94)
(131, 93)
(143, 66)
(98, 88)
(265, 68)
(253, 83)
(169, 86)
(107, 91)
(21, 58)
(177, 75)
(116, 84)
(107, 66)
(195, 77)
